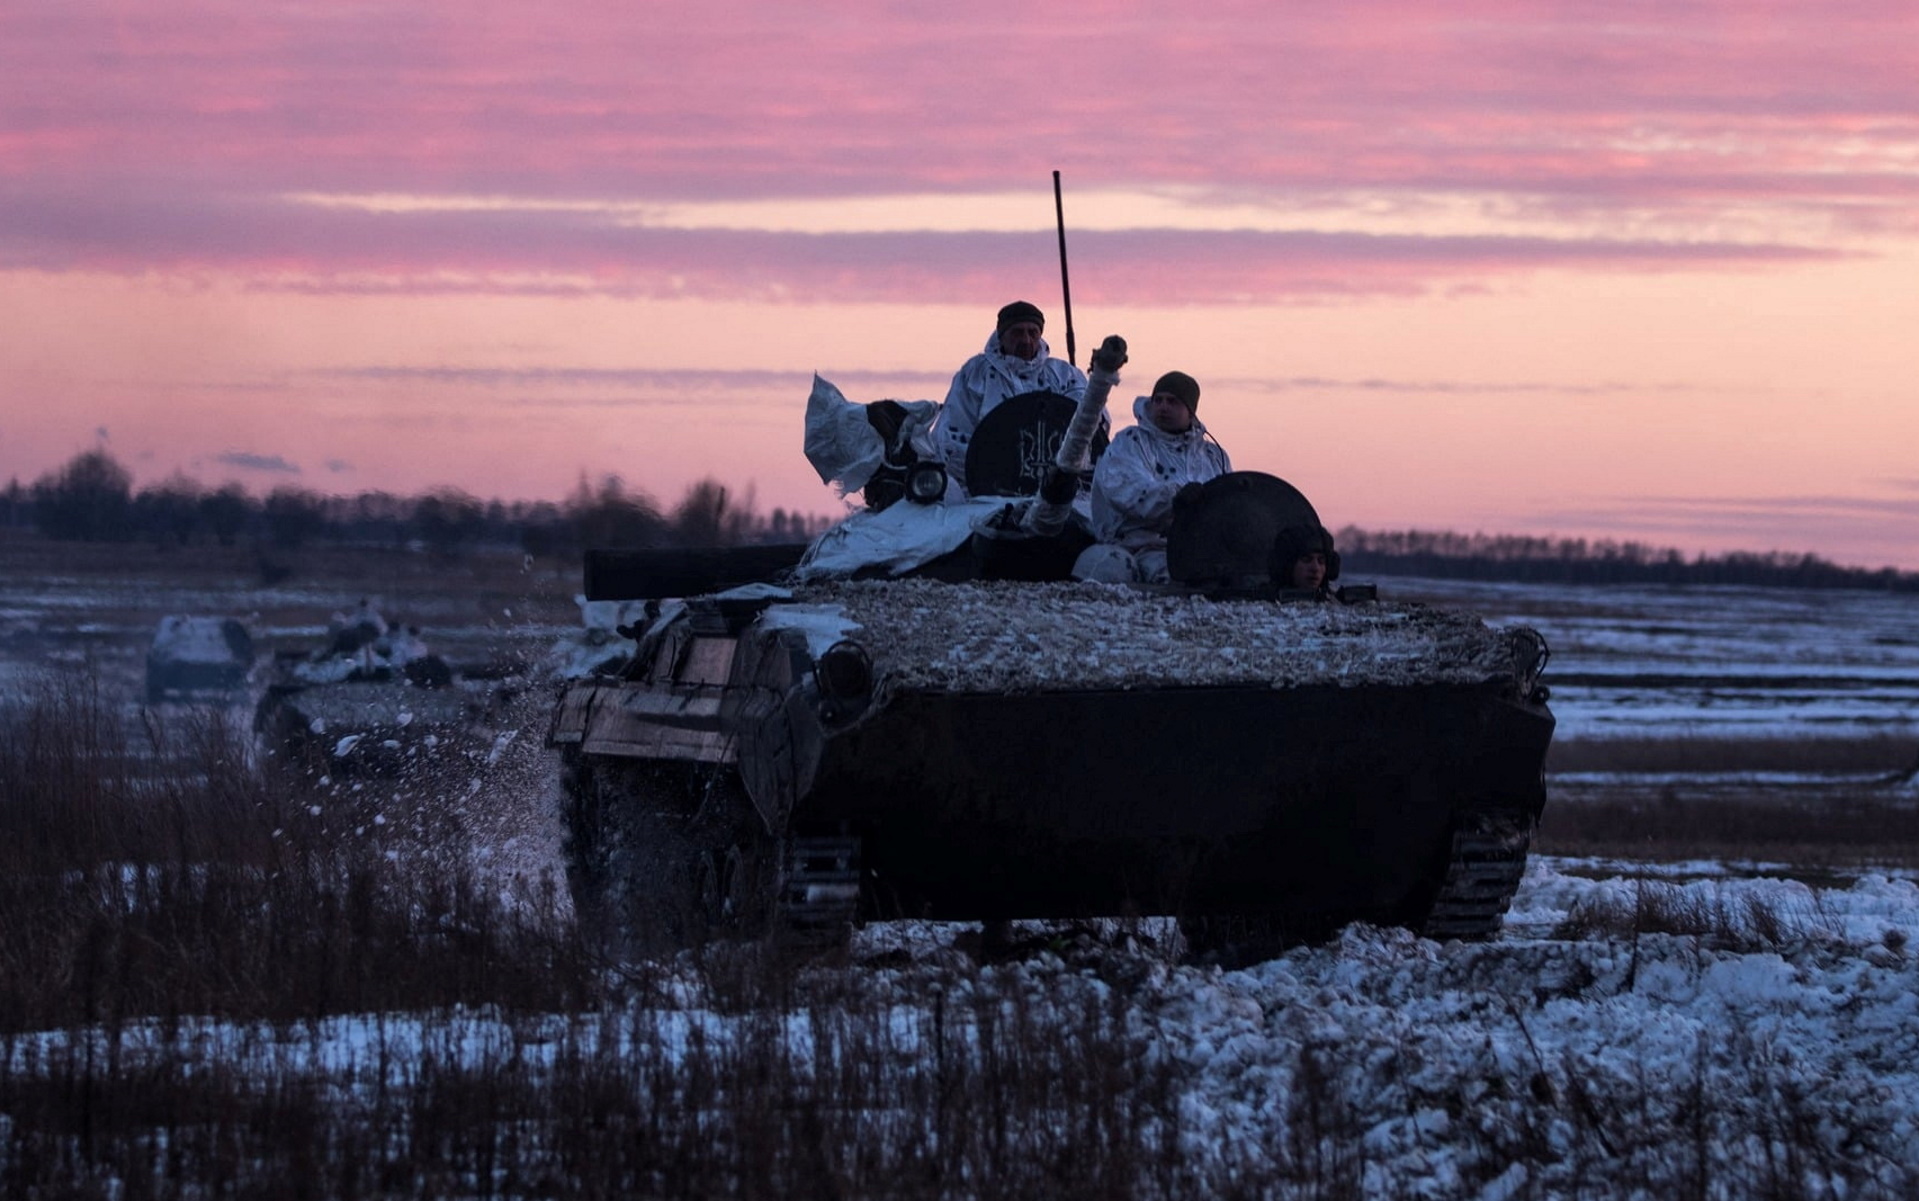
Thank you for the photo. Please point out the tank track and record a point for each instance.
(1482, 875)
(646, 868)
(819, 891)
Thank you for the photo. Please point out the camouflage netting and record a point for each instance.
(1006, 637)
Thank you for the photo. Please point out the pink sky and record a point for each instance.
(1630, 270)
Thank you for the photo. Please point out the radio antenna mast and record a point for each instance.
(1065, 288)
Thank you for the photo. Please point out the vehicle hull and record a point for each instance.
(1384, 766)
(1309, 804)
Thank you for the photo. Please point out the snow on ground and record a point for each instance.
(1556, 1060)
(1638, 661)
(104, 621)
(1564, 1055)
(1627, 661)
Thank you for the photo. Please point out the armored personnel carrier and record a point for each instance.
(904, 720)
(372, 699)
(198, 660)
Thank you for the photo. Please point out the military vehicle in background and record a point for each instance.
(372, 698)
(921, 716)
(199, 660)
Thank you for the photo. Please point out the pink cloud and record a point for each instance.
(158, 141)
(308, 248)
(754, 99)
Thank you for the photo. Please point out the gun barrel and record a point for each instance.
(1076, 446)
(1050, 511)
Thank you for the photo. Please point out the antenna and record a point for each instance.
(1065, 288)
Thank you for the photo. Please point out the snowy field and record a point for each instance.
(1690, 1029)
(1629, 662)
(96, 609)
(1703, 1037)
(1711, 662)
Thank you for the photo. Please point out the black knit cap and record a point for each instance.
(1294, 543)
(1181, 385)
(1021, 310)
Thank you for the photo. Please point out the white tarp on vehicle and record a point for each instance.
(895, 539)
(842, 444)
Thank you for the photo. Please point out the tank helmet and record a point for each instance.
(1018, 311)
(1294, 543)
(1181, 385)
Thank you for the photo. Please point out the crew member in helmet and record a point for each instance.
(1303, 559)
(1149, 470)
(1016, 361)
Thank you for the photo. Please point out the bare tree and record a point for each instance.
(89, 499)
(226, 511)
(169, 512)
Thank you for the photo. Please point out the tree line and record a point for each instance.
(92, 498)
(1519, 558)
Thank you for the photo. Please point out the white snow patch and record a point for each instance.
(822, 625)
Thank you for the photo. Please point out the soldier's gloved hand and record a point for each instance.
(1187, 495)
(1111, 354)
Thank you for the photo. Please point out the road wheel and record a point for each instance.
(736, 888)
(631, 860)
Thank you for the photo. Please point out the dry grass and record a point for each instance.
(382, 1031)
(1735, 923)
(1837, 804)
(1813, 828)
(152, 898)
(373, 568)
(1886, 754)
(978, 1102)
(138, 884)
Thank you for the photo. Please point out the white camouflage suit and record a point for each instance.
(981, 384)
(1133, 490)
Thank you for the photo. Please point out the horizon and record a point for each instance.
(1568, 271)
(744, 504)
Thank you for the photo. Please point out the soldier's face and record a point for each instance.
(1169, 413)
(1020, 340)
(1309, 571)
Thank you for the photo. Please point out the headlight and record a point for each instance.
(926, 482)
(845, 673)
